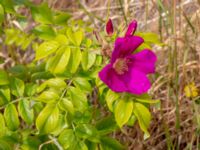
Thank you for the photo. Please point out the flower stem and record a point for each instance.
(122, 9)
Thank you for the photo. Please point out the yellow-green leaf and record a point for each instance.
(48, 119)
(17, 87)
(111, 97)
(56, 83)
(67, 138)
(59, 62)
(48, 96)
(61, 38)
(25, 111)
(78, 99)
(150, 101)
(75, 37)
(11, 117)
(46, 49)
(143, 115)
(4, 95)
(66, 105)
(88, 59)
(82, 83)
(2, 126)
(3, 78)
(1, 14)
(75, 60)
(123, 111)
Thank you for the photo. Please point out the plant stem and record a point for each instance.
(122, 9)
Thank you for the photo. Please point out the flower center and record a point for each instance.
(121, 65)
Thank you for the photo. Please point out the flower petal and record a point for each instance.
(144, 61)
(136, 82)
(131, 28)
(125, 46)
(109, 27)
(112, 79)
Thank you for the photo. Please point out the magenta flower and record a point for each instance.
(128, 72)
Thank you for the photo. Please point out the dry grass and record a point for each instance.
(174, 125)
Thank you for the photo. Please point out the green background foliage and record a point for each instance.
(56, 101)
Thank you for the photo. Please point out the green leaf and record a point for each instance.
(67, 138)
(75, 37)
(150, 101)
(87, 131)
(142, 47)
(5, 145)
(62, 39)
(108, 143)
(41, 75)
(44, 32)
(88, 59)
(79, 145)
(75, 59)
(91, 145)
(62, 124)
(88, 43)
(4, 95)
(123, 111)
(30, 89)
(143, 115)
(150, 38)
(82, 84)
(30, 142)
(3, 78)
(27, 42)
(25, 111)
(46, 49)
(11, 117)
(42, 13)
(8, 6)
(1, 13)
(42, 87)
(111, 97)
(66, 105)
(132, 120)
(61, 18)
(48, 96)
(48, 119)
(99, 60)
(2, 126)
(82, 117)
(78, 99)
(38, 106)
(59, 62)
(11, 36)
(56, 83)
(106, 125)
(19, 71)
(17, 87)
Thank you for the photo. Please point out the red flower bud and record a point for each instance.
(131, 28)
(109, 27)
